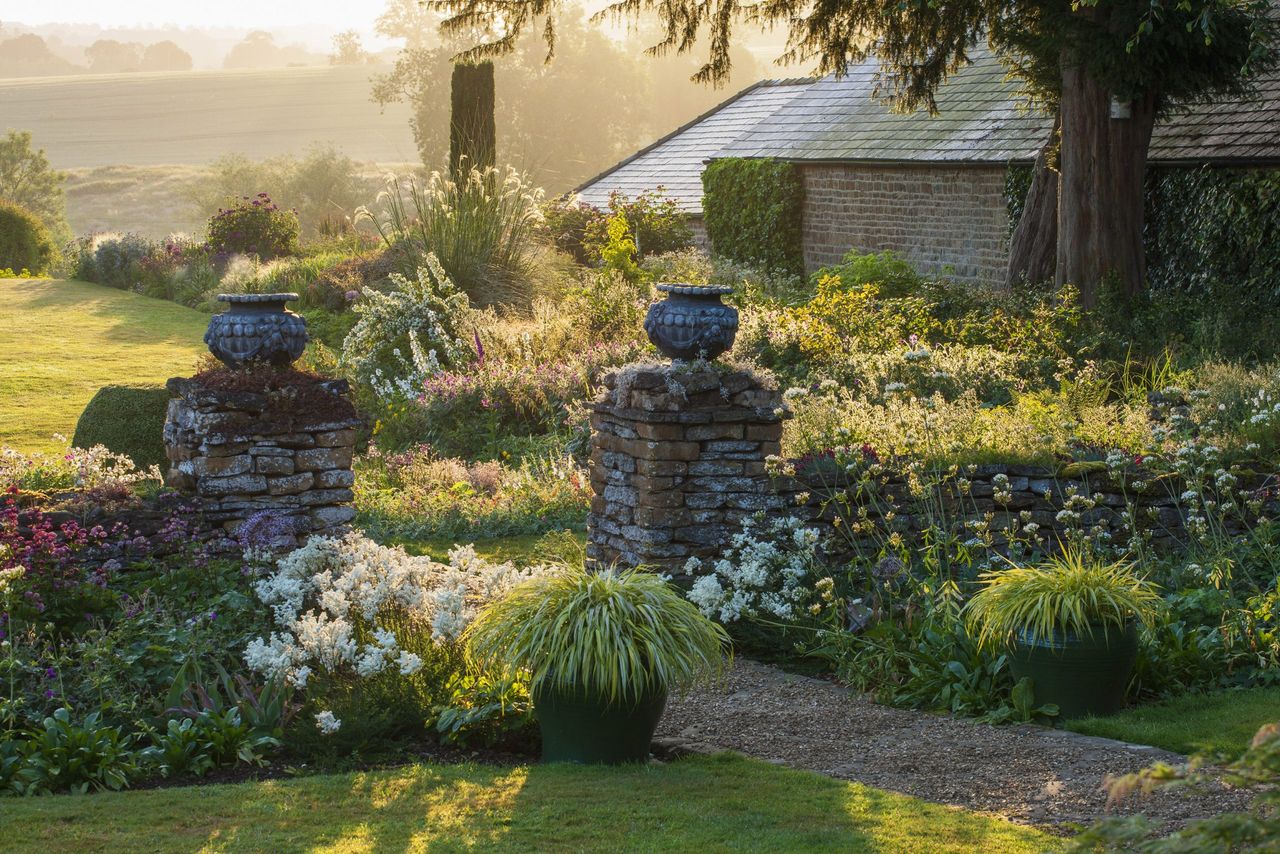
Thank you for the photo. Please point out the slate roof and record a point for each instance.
(1243, 130)
(981, 120)
(676, 161)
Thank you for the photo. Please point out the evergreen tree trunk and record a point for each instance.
(472, 132)
(1033, 245)
(1100, 207)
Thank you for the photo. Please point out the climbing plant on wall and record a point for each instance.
(753, 211)
(1215, 233)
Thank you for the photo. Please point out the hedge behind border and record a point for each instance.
(127, 419)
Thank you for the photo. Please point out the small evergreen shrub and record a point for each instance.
(254, 226)
(113, 259)
(655, 222)
(25, 243)
(753, 211)
(128, 420)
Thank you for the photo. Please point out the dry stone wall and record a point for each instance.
(998, 505)
(677, 460)
(243, 452)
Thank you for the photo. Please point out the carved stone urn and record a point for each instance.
(256, 328)
(692, 323)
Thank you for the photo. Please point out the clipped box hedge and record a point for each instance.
(127, 419)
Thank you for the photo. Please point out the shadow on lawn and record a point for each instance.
(126, 317)
(722, 803)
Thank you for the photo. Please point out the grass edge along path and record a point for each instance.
(62, 340)
(718, 803)
(1219, 722)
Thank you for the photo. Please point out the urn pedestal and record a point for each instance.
(256, 328)
(692, 323)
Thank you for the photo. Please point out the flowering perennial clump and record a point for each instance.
(405, 336)
(767, 570)
(348, 607)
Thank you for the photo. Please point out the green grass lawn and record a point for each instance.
(720, 803)
(1221, 722)
(60, 341)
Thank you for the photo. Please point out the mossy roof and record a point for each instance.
(981, 120)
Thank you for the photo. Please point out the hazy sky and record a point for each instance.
(337, 14)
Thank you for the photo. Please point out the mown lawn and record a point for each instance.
(1219, 722)
(721, 803)
(60, 341)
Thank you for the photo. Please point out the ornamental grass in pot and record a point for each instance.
(1070, 624)
(601, 649)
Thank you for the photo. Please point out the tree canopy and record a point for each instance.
(1185, 49)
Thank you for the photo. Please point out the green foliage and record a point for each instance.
(872, 317)
(567, 221)
(653, 219)
(618, 252)
(619, 633)
(27, 180)
(65, 756)
(324, 187)
(419, 495)
(112, 259)
(481, 226)
(403, 336)
(127, 420)
(195, 746)
(1256, 771)
(1073, 593)
(753, 211)
(655, 223)
(25, 243)
(253, 226)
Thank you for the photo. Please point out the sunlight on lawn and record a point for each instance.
(719, 803)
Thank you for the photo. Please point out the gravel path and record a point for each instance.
(1029, 774)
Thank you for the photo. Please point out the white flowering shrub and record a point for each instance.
(409, 334)
(767, 571)
(368, 632)
(73, 468)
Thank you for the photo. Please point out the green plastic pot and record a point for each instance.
(582, 726)
(1082, 674)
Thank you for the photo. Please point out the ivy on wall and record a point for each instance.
(1211, 233)
(753, 209)
(1215, 233)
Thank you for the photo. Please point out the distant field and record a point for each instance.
(62, 341)
(153, 201)
(148, 119)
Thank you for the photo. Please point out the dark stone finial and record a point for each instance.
(256, 328)
(692, 323)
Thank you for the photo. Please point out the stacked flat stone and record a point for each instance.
(243, 452)
(677, 460)
(1005, 498)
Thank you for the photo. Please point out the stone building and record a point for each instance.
(931, 188)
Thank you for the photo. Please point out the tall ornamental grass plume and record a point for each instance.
(1075, 592)
(619, 633)
(483, 228)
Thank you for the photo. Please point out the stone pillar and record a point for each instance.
(242, 452)
(677, 460)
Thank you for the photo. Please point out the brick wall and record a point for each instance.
(935, 216)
